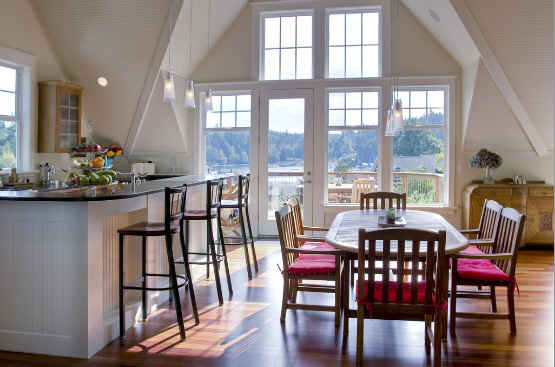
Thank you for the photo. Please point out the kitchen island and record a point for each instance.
(59, 262)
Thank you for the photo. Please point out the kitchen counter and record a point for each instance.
(59, 262)
(102, 193)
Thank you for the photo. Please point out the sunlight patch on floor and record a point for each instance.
(211, 338)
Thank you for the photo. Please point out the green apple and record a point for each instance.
(104, 180)
(94, 178)
(84, 180)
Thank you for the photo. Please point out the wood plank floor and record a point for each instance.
(246, 331)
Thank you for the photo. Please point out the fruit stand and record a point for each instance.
(92, 165)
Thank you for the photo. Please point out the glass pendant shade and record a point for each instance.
(190, 95)
(394, 119)
(208, 101)
(169, 87)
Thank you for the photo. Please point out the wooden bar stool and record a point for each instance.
(174, 208)
(242, 206)
(215, 251)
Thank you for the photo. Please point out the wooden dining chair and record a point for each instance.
(482, 237)
(494, 269)
(362, 186)
(311, 261)
(386, 200)
(413, 294)
(300, 228)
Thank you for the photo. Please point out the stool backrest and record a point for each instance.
(377, 246)
(243, 191)
(174, 204)
(508, 238)
(489, 220)
(387, 200)
(214, 194)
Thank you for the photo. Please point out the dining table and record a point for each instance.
(343, 235)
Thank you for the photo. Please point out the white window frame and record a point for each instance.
(448, 132)
(262, 46)
(17, 115)
(355, 10)
(26, 103)
(378, 129)
(252, 129)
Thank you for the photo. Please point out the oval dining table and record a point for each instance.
(343, 235)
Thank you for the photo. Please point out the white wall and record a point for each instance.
(21, 30)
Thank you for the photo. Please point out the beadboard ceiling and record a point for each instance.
(117, 39)
(520, 35)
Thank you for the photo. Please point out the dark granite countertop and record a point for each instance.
(101, 193)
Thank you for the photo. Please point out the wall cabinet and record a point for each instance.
(59, 118)
(534, 200)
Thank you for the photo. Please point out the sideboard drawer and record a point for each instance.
(540, 191)
(494, 192)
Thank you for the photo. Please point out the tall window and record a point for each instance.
(287, 48)
(353, 43)
(419, 151)
(8, 117)
(227, 134)
(353, 141)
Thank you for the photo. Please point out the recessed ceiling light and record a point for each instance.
(102, 81)
(434, 15)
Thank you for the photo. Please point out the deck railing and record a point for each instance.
(421, 187)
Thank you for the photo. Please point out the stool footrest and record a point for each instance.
(234, 240)
(164, 282)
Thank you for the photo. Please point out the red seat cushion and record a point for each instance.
(480, 269)
(392, 295)
(472, 250)
(314, 263)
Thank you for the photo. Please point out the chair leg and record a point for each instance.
(284, 299)
(493, 300)
(183, 237)
(453, 305)
(173, 282)
(438, 330)
(293, 287)
(511, 300)
(251, 237)
(212, 250)
(121, 281)
(338, 293)
(360, 334)
(244, 240)
(352, 273)
(143, 268)
(345, 292)
(224, 253)
(427, 328)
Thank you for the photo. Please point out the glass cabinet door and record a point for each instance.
(69, 121)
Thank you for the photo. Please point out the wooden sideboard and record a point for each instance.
(534, 200)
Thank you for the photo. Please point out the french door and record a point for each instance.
(286, 154)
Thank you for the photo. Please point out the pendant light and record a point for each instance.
(395, 122)
(169, 85)
(190, 89)
(208, 100)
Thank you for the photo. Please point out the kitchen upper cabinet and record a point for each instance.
(60, 110)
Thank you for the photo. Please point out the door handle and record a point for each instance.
(308, 181)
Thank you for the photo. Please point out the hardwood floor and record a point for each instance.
(246, 330)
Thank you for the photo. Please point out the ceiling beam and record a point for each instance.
(469, 77)
(499, 77)
(152, 75)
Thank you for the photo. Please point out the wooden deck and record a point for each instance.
(246, 331)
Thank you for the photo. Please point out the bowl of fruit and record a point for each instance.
(102, 177)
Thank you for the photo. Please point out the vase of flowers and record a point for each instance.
(486, 160)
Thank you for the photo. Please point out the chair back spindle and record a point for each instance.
(414, 264)
(286, 230)
(297, 214)
(383, 200)
(489, 219)
(509, 236)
